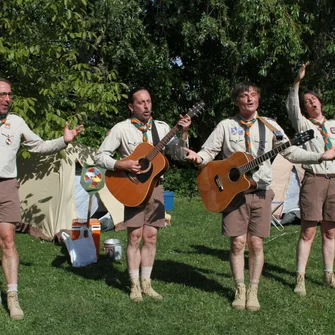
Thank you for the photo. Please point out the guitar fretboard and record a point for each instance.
(195, 110)
(268, 155)
(160, 146)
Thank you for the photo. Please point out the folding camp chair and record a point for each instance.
(274, 221)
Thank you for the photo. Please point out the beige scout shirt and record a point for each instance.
(228, 137)
(301, 123)
(124, 138)
(12, 132)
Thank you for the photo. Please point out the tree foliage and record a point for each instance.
(74, 59)
(52, 53)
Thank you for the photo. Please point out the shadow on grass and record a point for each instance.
(188, 275)
(270, 271)
(276, 273)
(105, 269)
(164, 270)
(222, 254)
(173, 272)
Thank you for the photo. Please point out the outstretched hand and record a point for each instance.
(71, 134)
(301, 73)
(192, 156)
(328, 155)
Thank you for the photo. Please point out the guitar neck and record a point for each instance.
(260, 159)
(195, 110)
(161, 145)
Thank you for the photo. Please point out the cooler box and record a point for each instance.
(168, 200)
(95, 227)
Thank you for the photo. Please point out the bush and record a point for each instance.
(181, 179)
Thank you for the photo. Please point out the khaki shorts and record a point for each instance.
(153, 213)
(252, 216)
(9, 201)
(317, 198)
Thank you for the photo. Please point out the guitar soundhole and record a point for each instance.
(144, 164)
(146, 170)
(234, 175)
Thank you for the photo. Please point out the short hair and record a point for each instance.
(302, 99)
(242, 87)
(6, 81)
(132, 92)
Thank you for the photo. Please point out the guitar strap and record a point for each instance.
(279, 135)
(155, 141)
(155, 137)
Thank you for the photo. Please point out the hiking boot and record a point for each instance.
(15, 310)
(252, 304)
(149, 291)
(135, 291)
(300, 285)
(328, 279)
(239, 301)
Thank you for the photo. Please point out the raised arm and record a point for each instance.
(299, 122)
(300, 75)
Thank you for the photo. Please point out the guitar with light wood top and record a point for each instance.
(134, 190)
(222, 184)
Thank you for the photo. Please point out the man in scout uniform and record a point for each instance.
(250, 221)
(142, 222)
(317, 194)
(13, 130)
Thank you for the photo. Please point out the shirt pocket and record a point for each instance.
(132, 144)
(237, 141)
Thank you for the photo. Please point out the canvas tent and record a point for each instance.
(49, 188)
(286, 183)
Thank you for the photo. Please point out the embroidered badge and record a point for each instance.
(233, 131)
(240, 131)
(261, 146)
(332, 130)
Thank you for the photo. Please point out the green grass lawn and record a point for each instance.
(191, 271)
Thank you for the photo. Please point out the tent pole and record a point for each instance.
(89, 210)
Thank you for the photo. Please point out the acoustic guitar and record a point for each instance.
(134, 190)
(222, 184)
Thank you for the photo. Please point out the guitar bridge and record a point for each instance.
(132, 178)
(218, 183)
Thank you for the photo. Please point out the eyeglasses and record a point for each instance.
(4, 94)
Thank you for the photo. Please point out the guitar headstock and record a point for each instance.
(196, 109)
(301, 138)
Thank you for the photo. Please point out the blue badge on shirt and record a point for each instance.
(233, 131)
(261, 146)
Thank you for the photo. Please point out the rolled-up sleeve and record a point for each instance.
(104, 156)
(213, 145)
(293, 109)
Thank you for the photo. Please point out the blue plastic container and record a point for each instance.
(168, 200)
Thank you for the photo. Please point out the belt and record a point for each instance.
(328, 176)
(4, 179)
